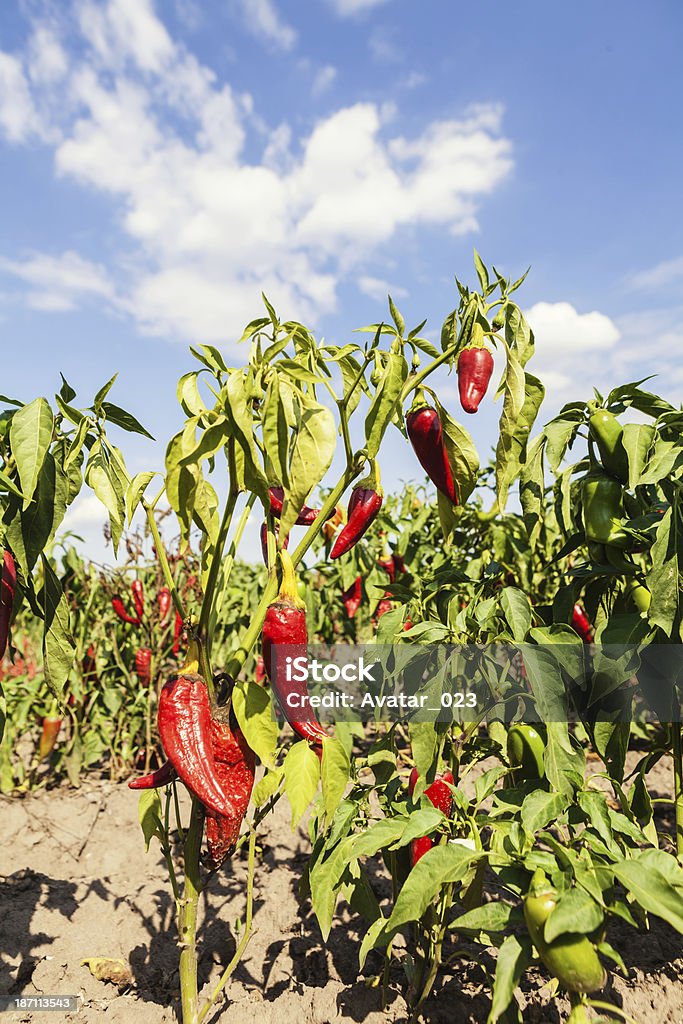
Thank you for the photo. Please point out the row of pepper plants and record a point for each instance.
(539, 861)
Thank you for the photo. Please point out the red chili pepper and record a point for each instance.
(306, 516)
(120, 609)
(260, 675)
(418, 848)
(388, 565)
(235, 767)
(475, 366)
(89, 665)
(48, 737)
(426, 436)
(439, 794)
(138, 593)
(161, 777)
(582, 624)
(184, 720)
(177, 630)
(143, 664)
(264, 540)
(383, 607)
(164, 602)
(285, 625)
(352, 597)
(7, 588)
(364, 505)
(399, 564)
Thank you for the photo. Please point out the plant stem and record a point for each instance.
(678, 780)
(216, 562)
(239, 952)
(187, 916)
(163, 560)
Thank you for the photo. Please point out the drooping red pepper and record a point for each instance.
(383, 607)
(184, 720)
(48, 737)
(235, 767)
(352, 597)
(143, 664)
(582, 624)
(138, 592)
(364, 505)
(164, 603)
(177, 631)
(264, 540)
(474, 369)
(285, 627)
(161, 777)
(89, 665)
(120, 609)
(306, 516)
(426, 436)
(260, 674)
(438, 794)
(8, 585)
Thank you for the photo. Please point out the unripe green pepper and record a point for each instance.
(639, 595)
(608, 434)
(602, 508)
(525, 747)
(571, 958)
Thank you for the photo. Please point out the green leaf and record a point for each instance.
(462, 454)
(239, 394)
(517, 611)
(30, 531)
(267, 786)
(655, 880)
(188, 394)
(58, 643)
(539, 809)
(135, 490)
(253, 710)
(30, 437)
(385, 401)
(334, 774)
(102, 475)
(66, 392)
(312, 454)
(490, 918)
(482, 272)
(441, 864)
(114, 414)
(149, 816)
(662, 579)
(523, 397)
(513, 959)
(575, 912)
(102, 394)
(302, 774)
(276, 431)
(397, 318)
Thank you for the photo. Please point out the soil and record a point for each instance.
(76, 884)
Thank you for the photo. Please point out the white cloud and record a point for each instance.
(47, 61)
(137, 117)
(58, 284)
(663, 274)
(377, 289)
(19, 118)
(323, 80)
(346, 8)
(559, 328)
(262, 18)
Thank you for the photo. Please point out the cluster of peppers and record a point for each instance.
(143, 657)
(206, 750)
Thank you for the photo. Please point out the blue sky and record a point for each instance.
(161, 164)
